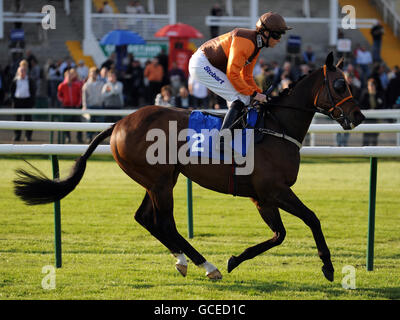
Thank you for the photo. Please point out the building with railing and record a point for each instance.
(322, 17)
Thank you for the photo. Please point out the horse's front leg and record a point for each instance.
(289, 202)
(270, 214)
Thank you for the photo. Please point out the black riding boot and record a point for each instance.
(230, 117)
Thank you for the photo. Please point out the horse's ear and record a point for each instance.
(340, 63)
(329, 61)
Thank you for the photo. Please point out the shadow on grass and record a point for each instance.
(259, 288)
(392, 293)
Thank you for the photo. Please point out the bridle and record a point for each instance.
(334, 107)
(316, 108)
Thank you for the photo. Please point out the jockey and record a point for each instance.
(225, 64)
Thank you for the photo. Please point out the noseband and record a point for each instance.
(329, 112)
(334, 107)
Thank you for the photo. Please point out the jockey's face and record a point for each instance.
(272, 42)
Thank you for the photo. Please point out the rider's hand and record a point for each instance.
(260, 97)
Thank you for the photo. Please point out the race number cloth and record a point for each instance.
(204, 131)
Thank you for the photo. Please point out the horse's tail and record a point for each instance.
(36, 189)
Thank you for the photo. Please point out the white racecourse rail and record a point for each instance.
(60, 149)
(53, 149)
(374, 114)
(92, 126)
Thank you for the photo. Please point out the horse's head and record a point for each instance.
(333, 97)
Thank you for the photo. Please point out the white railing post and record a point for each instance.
(312, 134)
(398, 134)
(91, 46)
(67, 7)
(229, 8)
(306, 8)
(87, 20)
(333, 26)
(172, 11)
(150, 6)
(1, 19)
(253, 13)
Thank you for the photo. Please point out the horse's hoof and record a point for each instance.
(215, 275)
(182, 269)
(232, 263)
(328, 273)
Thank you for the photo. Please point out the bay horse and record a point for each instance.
(276, 166)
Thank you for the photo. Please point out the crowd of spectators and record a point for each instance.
(62, 83)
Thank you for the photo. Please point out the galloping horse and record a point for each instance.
(276, 166)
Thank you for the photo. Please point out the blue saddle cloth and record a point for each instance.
(204, 130)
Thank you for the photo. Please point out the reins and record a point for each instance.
(317, 108)
(313, 109)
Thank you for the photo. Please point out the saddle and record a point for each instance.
(251, 117)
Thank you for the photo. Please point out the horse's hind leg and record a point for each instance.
(145, 217)
(289, 202)
(162, 198)
(272, 218)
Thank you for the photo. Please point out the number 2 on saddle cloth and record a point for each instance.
(204, 129)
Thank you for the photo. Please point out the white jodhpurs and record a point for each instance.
(214, 79)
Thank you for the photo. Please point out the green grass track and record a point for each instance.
(107, 255)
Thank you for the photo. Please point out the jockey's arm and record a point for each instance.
(247, 74)
(241, 49)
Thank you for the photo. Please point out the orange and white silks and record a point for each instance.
(225, 65)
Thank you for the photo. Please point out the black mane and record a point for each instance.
(286, 92)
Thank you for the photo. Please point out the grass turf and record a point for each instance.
(107, 255)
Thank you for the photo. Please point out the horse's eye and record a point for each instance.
(339, 85)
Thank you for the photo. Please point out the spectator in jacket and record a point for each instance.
(54, 78)
(23, 94)
(371, 98)
(184, 99)
(2, 86)
(216, 11)
(134, 82)
(82, 70)
(110, 63)
(69, 93)
(200, 93)
(154, 73)
(112, 94)
(106, 8)
(35, 73)
(103, 74)
(176, 78)
(92, 97)
(364, 60)
(377, 32)
(309, 55)
(265, 79)
(393, 89)
(165, 97)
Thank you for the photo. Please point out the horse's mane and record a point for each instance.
(288, 91)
